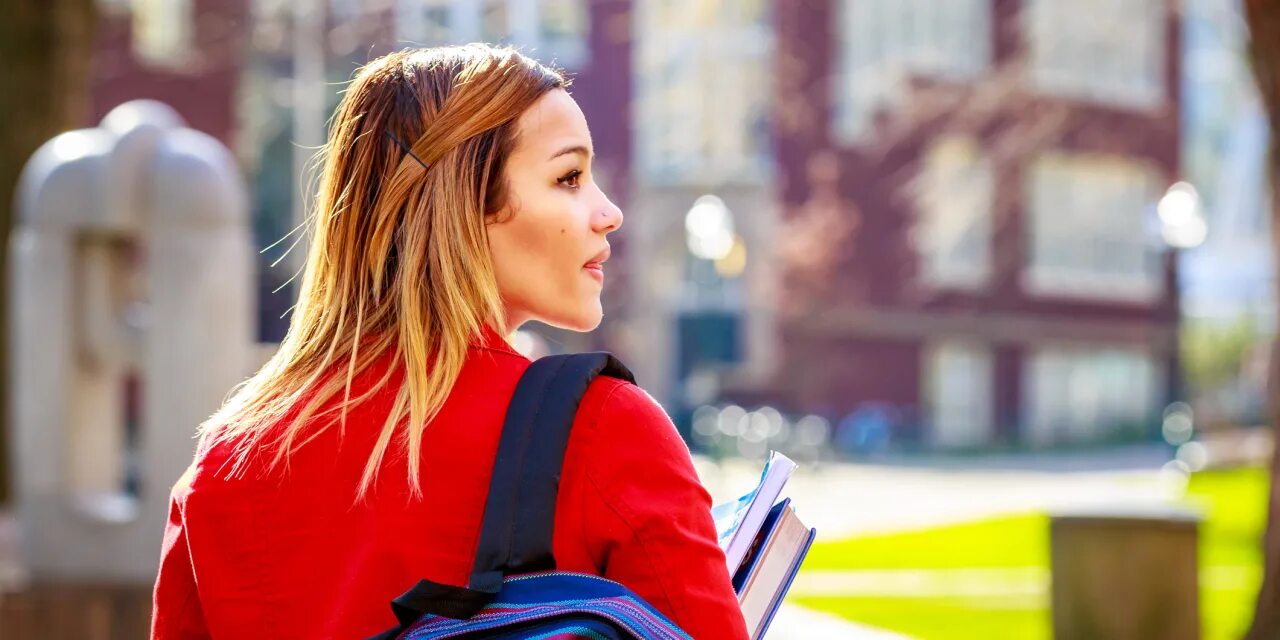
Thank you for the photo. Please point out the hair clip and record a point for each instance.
(406, 149)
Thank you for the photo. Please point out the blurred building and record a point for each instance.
(969, 189)
(188, 54)
(653, 79)
(935, 218)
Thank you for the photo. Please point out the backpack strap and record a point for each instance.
(519, 514)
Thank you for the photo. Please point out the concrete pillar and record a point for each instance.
(131, 254)
(1125, 574)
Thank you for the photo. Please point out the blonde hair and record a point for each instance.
(398, 262)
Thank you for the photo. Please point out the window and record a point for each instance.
(429, 23)
(702, 86)
(114, 7)
(267, 23)
(562, 32)
(1084, 394)
(344, 10)
(953, 236)
(548, 30)
(496, 19)
(959, 387)
(553, 31)
(886, 42)
(163, 31)
(1109, 51)
(1088, 225)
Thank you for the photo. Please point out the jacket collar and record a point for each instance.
(489, 338)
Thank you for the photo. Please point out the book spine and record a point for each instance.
(786, 586)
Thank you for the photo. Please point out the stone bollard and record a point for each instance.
(1125, 573)
(131, 267)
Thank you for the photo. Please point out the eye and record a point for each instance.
(570, 179)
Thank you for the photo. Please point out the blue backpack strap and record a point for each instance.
(519, 514)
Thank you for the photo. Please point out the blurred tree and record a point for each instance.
(45, 47)
(1213, 354)
(1263, 17)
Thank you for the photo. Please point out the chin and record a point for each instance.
(581, 320)
(585, 323)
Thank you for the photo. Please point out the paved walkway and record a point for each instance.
(798, 623)
(847, 500)
(924, 583)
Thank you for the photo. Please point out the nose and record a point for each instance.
(607, 216)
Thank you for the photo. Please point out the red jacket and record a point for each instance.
(293, 556)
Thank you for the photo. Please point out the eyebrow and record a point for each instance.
(577, 148)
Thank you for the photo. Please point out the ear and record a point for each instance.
(505, 212)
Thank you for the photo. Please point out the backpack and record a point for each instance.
(514, 591)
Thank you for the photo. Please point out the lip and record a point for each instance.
(600, 258)
(595, 266)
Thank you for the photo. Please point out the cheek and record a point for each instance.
(534, 254)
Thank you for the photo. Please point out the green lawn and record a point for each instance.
(1230, 557)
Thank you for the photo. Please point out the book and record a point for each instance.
(764, 543)
(737, 522)
(767, 573)
(752, 560)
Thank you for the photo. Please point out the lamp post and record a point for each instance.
(708, 317)
(1182, 226)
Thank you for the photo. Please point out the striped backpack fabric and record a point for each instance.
(514, 591)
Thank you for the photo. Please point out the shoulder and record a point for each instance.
(617, 402)
(633, 456)
(622, 423)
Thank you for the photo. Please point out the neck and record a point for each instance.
(513, 322)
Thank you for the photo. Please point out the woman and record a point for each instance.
(457, 201)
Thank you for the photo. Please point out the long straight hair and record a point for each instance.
(398, 263)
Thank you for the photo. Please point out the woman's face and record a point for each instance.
(549, 238)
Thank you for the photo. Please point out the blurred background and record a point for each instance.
(998, 273)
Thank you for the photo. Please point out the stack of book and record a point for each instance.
(764, 543)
